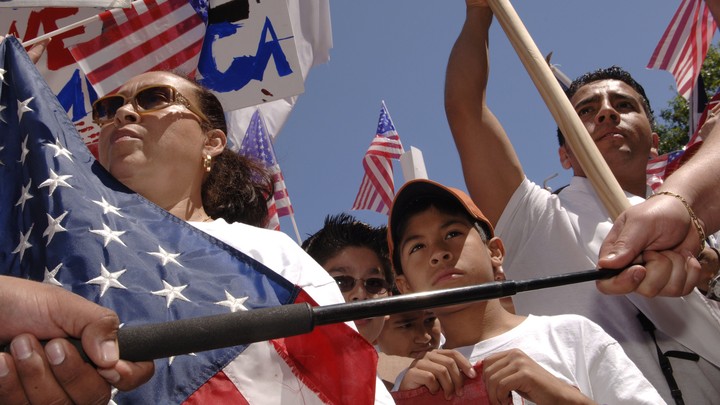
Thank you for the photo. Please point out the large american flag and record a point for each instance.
(684, 44)
(150, 35)
(67, 222)
(377, 188)
(257, 144)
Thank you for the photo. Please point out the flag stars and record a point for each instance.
(233, 303)
(2, 75)
(49, 277)
(107, 280)
(107, 207)
(60, 150)
(24, 244)
(171, 293)
(165, 257)
(24, 195)
(109, 235)
(2, 118)
(1, 148)
(23, 107)
(54, 226)
(55, 181)
(25, 150)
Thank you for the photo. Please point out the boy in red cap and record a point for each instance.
(439, 239)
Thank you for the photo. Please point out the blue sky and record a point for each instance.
(397, 51)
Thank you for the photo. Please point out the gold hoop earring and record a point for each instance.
(207, 163)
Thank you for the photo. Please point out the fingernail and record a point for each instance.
(55, 353)
(638, 275)
(472, 373)
(610, 256)
(110, 375)
(4, 369)
(109, 351)
(21, 348)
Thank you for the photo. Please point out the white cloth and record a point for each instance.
(546, 234)
(576, 351)
(281, 254)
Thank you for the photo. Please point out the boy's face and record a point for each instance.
(410, 334)
(439, 250)
(359, 263)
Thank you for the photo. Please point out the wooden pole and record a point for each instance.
(576, 135)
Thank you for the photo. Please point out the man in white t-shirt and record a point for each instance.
(549, 234)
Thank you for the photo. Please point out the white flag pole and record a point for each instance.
(61, 30)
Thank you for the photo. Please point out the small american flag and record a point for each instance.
(684, 44)
(150, 35)
(257, 144)
(377, 188)
(68, 222)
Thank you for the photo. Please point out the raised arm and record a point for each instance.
(491, 167)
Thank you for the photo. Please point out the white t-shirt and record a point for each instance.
(546, 234)
(281, 254)
(577, 351)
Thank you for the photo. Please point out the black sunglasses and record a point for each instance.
(373, 285)
(147, 99)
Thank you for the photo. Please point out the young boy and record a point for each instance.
(439, 239)
(410, 334)
(356, 256)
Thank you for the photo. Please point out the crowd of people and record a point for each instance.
(647, 335)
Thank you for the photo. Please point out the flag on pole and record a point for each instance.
(150, 35)
(684, 44)
(66, 221)
(257, 144)
(377, 188)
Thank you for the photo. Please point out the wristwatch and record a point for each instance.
(713, 291)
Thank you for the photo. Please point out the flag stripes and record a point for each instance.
(377, 188)
(152, 35)
(684, 44)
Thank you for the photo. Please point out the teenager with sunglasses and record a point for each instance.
(355, 255)
(164, 137)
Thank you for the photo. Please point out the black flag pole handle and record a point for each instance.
(173, 338)
(153, 341)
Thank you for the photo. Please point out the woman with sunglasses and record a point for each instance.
(164, 137)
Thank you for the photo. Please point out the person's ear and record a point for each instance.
(655, 145)
(215, 142)
(497, 255)
(564, 155)
(402, 284)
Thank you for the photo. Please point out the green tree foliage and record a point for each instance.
(673, 123)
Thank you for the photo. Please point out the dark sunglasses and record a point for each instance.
(147, 99)
(373, 285)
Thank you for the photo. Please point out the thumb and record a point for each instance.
(621, 245)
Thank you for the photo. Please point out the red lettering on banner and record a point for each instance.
(57, 55)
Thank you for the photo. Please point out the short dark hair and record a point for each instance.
(342, 231)
(443, 203)
(610, 73)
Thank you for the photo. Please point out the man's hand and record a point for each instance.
(56, 373)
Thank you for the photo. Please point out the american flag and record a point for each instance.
(659, 168)
(257, 144)
(67, 222)
(377, 188)
(684, 44)
(150, 35)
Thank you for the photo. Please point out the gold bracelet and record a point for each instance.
(693, 217)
